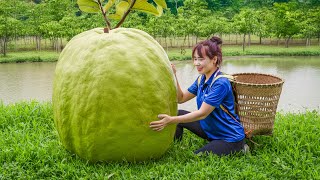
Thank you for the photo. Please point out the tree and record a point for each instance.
(9, 25)
(173, 5)
(136, 20)
(287, 21)
(245, 23)
(265, 21)
(310, 25)
(194, 11)
(37, 15)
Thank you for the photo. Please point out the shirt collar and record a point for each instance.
(211, 77)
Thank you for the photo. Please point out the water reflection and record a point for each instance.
(25, 81)
(301, 89)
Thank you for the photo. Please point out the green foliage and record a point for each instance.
(62, 19)
(287, 22)
(30, 149)
(246, 21)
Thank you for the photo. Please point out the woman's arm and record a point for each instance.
(165, 119)
(183, 96)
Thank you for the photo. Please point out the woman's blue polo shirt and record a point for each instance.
(218, 124)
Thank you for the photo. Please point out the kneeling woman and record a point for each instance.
(210, 121)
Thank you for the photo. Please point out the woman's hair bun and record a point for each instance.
(216, 39)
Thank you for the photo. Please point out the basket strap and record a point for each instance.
(247, 132)
(226, 111)
(230, 77)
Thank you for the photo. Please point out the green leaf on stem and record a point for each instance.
(89, 6)
(121, 8)
(144, 6)
(160, 10)
(109, 5)
(161, 3)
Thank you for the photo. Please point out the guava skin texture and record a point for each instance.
(107, 88)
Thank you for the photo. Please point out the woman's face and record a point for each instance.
(204, 65)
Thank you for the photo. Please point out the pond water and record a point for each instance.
(301, 90)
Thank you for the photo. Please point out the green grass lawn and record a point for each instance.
(30, 149)
(178, 54)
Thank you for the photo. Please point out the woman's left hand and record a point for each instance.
(162, 123)
(174, 69)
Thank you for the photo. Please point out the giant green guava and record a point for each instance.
(108, 87)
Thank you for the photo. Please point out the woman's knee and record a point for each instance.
(220, 148)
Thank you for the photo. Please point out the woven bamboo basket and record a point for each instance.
(257, 96)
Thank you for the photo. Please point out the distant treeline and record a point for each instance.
(31, 24)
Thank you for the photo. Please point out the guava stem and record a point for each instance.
(106, 29)
(125, 14)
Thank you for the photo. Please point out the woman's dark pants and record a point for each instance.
(218, 147)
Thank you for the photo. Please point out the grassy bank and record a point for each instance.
(30, 56)
(178, 54)
(175, 54)
(30, 150)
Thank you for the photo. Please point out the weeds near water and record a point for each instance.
(30, 149)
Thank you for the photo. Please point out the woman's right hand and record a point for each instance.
(163, 121)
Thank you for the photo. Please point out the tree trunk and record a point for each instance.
(24, 41)
(15, 42)
(5, 47)
(30, 40)
(249, 39)
(1, 49)
(38, 43)
(184, 40)
(57, 44)
(260, 40)
(4, 40)
(61, 45)
(244, 42)
(45, 44)
(287, 42)
(236, 39)
(165, 40)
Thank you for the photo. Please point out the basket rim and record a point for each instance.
(252, 84)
